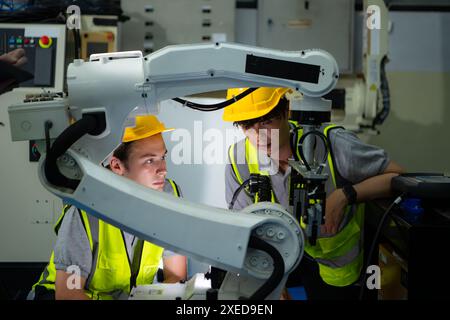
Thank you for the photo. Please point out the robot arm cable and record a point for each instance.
(278, 268)
(214, 107)
(236, 193)
(302, 155)
(384, 87)
(89, 123)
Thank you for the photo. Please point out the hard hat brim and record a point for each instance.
(147, 135)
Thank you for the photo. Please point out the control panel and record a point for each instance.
(44, 46)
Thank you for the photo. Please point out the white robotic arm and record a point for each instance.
(116, 83)
(264, 242)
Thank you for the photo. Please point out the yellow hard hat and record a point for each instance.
(146, 126)
(257, 104)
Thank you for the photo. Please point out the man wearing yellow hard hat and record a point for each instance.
(110, 260)
(358, 172)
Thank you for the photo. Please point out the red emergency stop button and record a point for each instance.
(45, 42)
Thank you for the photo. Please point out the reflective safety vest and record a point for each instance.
(340, 257)
(111, 270)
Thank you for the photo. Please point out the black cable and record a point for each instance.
(278, 268)
(213, 107)
(77, 42)
(47, 126)
(374, 243)
(293, 142)
(302, 155)
(62, 143)
(195, 106)
(236, 193)
(384, 88)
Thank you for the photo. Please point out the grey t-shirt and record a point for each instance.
(72, 244)
(355, 161)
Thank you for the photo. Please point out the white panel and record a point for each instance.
(36, 31)
(246, 26)
(419, 41)
(300, 24)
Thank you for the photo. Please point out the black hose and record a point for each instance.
(236, 193)
(47, 126)
(374, 243)
(62, 143)
(302, 155)
(278, 268)
(293, 143)
(384, 88)
(214, 107)
(77, 42)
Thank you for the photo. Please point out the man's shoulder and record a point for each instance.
(339, 134)
(333, 128)
(72, 213)
(69, 213)
(238, 144)
(74, 221)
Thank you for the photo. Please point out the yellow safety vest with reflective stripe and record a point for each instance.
(111, 268)
(340, 257)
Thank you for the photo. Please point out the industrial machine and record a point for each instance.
(260, 246)
(364, 96)
(27, 208)
(356, 33)
(35, 210)
(99, 34)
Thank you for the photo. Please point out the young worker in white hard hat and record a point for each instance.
(357, 172)
(110, 260)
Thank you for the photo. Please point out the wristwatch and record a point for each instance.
(350, 193)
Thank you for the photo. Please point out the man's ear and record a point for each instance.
(117, 166)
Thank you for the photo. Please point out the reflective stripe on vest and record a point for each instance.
(111, 269)
(176, 192)
(339, 256)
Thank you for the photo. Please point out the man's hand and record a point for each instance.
(285, 295)
(175, 268)
(15, 57)
(372, 188)
(335, 207)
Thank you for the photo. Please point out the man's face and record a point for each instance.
(261, 133)
(146, 162)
